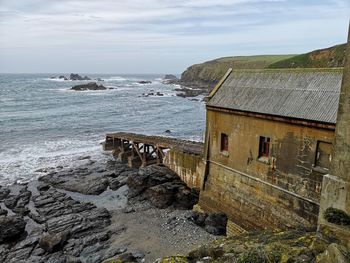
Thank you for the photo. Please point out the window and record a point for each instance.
(224, 142)
(264, 147)
(323, 154)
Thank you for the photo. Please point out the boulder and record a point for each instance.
(216, 224)
(163, 195)
(186, 198)
(11, 228)
(52, 242)
(198, 218)
(88, 86)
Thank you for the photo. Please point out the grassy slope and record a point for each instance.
(207, 74)
(323, 58)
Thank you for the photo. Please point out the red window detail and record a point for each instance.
(224, 142)
(264, 147)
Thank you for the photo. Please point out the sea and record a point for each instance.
(44, 124)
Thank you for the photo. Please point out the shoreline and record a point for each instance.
(93, 215)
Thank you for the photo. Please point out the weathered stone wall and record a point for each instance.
(336, 185)
(188, 166)
(281, 191)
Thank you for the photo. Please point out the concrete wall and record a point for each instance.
(277, 192)
(188, 166)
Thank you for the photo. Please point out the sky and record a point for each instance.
(159, 36)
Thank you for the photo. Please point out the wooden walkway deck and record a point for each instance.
(142, 150)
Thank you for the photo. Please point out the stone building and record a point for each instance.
(268, 145)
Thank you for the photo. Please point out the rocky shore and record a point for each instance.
(98, 212)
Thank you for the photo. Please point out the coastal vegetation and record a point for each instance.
(206, 75)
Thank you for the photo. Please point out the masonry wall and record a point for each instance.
(278, 192)
(188, 166)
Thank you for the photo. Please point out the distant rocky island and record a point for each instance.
(88, 86)
(74, 76)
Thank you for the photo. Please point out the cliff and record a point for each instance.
(207, 74)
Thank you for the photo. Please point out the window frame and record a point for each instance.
(224, 142)
(264, 147)
(317, 164)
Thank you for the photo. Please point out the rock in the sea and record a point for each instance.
(88, 86)
(78, 77)
(52, 242)
(63, 77)
(144, 82)
(11, 228)
(170, 76)
(170, 79)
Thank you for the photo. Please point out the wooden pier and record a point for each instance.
(142, 150)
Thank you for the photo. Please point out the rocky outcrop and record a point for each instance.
(11, 228)
(88, 86)
(161, 187)
(213, 223)
(170, 79)
(152, 93)
(52, 242)
(92, 181)
(78, 77)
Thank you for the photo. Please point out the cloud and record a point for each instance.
(195, 29)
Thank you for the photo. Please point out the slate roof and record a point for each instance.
(308, 94)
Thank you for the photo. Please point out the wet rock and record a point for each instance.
(114, 184)
(4, 192)
(144, 82)
(3, 212)
(52, 242)
(85, 182)
(78, 77)
(88, 86)
(170, 79)
(11, 228)
(11, 201)
(43, 187)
